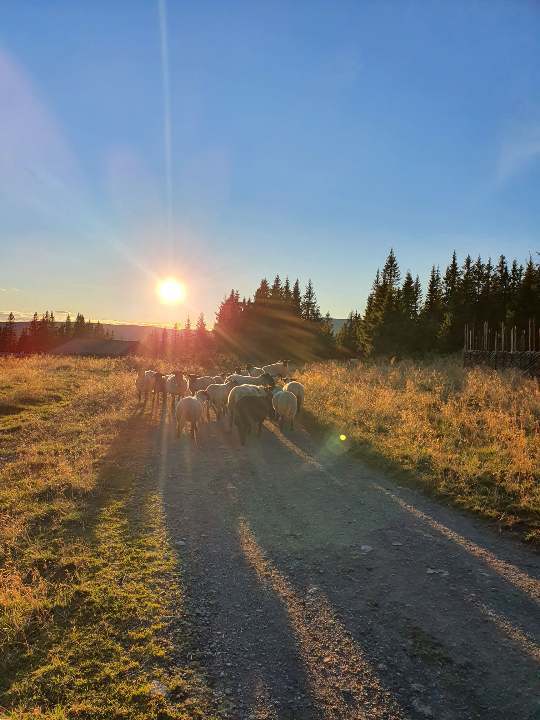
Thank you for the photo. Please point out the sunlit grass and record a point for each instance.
(90, 593)
(471, 435)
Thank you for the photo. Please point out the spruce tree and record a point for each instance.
(309, 307)
(297, 298)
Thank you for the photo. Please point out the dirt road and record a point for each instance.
(320, 589)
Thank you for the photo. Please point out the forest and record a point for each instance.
(282, 320)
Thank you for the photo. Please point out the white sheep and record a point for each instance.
(201, 383)
(188, 409)
(146, 380)
(240, 391)
(253, 370)
(216, 396)
(297, 389)
(262, 379)
(277, 369)
(176, 386)
(285, 406)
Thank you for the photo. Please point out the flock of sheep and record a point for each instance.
(247, 400)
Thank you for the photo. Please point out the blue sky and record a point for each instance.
(306, 138)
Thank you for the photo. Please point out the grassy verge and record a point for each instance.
(92, 623)
(472, 436)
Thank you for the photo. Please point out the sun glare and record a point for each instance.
(170, 291)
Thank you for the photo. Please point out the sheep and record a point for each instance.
(188, 409)
(159, 389)
(263, 379)
(285, 405)
(251, 410)
(297, 389)
(176, 386)
(145, 383)
(201, 383)
(241, 391)
(253, 370)
(277, 369)
(216, 396)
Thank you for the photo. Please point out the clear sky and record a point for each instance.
(306, 138)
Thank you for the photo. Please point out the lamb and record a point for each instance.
(285, 405)
(216, 396)
(188, 409)
(241, 391)
(250, 411)
(297, 389)
(277, 369)
(176, 386)
(253, 370)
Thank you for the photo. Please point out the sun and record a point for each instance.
(170, 291)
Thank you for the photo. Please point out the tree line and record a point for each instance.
(400, 319)
(43, 334)
(281, 320)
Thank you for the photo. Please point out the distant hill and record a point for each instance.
(140, 332)
(337, 323)
(121, 332)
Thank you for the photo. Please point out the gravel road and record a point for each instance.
(320, 589)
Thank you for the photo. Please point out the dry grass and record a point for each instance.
(470, 435)
(90, 592)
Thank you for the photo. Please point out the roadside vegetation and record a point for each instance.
(471, 435)
(91, 604)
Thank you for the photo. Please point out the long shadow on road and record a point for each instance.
(323, 590)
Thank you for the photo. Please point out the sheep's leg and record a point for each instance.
(193, 430)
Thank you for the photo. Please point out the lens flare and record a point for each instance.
(342, 437)
(170, 291)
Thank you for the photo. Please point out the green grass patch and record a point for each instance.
(92, 618)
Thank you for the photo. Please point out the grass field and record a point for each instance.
(90, 590)
(472, 436)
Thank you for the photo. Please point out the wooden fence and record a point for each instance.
(503, 347)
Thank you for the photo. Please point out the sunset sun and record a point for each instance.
(170, 291)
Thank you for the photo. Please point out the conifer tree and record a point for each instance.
(309, 307)
(297, 298)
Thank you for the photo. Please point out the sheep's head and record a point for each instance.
(268, 380)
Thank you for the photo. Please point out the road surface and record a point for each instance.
(318, 588)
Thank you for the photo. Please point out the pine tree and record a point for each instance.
(68, 327)
(79, 325)
(287, 292)
(297, 298)
(263, 292)
(10, 334)
(276, 291)
(309, 307)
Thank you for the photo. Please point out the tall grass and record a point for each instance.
(472, 435)
(91, 610)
